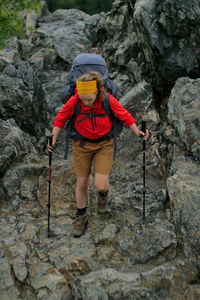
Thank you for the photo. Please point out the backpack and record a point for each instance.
(85, 63)
(72, 133)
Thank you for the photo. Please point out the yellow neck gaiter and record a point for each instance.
(86, 87)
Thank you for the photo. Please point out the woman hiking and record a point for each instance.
(94, 125)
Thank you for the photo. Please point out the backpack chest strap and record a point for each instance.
(92, 115)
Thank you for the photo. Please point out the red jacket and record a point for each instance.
(102, 125)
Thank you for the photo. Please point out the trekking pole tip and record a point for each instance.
(50, 233)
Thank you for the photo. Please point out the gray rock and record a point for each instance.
(6, 280)
(158, 284)
(66, 28)
(107, 234)
(168, 33)
(183, 113)
(139, 99)
(44, 275)
(22, 98)
(15, 145)
(20, 268)
(142, 243)
(11, 53)
(14, 183)
(184, 190)
(194, 291)
(95, 27)
(18, 249)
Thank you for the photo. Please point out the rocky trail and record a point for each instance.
(118, 248)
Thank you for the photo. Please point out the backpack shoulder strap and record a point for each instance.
(106, 104)
(77, 108)
(69, 125)
(117, 125)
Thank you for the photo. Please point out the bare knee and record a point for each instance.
(101, 182)
(82, 183)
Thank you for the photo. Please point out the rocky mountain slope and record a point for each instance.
(152, 50)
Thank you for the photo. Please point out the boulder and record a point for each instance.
(66, 29)
(184, 190)
(23, 98)
(163, 282)
(21, 183)
(168, 33)
(15, 146)
(183, 113)
(139, 99)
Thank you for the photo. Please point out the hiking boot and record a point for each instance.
(102, 205)
(80, 224)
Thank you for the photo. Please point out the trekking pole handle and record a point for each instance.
(50, 139)
(144, 122)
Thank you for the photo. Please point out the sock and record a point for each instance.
(103, 194)
(81, 211)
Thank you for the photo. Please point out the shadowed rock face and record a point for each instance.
(15, 145)
(168, 32)
(22, 97)
(183, 113)
(147, 45)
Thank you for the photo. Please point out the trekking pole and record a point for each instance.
(144, 167)
(50, 138)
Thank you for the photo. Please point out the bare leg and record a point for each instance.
(82, 191)
(101, 182)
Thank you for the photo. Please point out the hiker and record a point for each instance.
(93, 142)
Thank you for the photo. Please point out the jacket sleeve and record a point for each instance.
(120, 112)
(65, 113)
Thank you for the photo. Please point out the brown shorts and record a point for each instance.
(99, 153)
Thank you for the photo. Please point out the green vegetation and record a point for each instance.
(12, 13)
(12, 18)
(88, 6)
